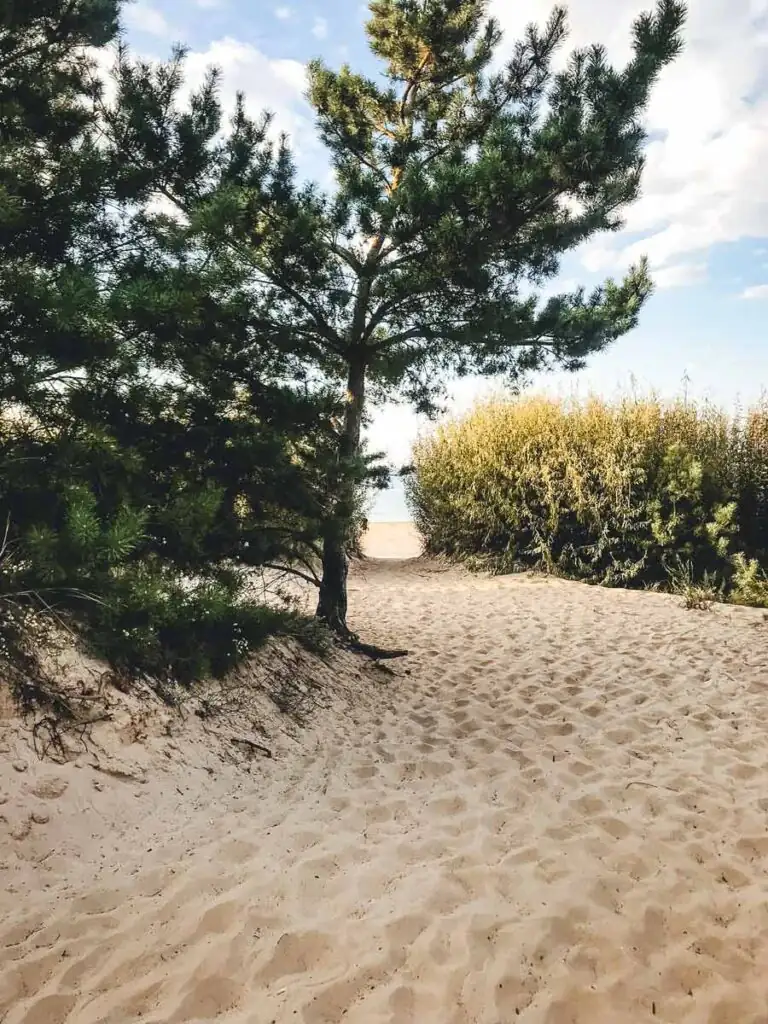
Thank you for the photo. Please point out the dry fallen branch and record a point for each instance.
(650, 785)
(257, 748)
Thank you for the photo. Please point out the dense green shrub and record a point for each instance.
(150, 571)
(182, 630)
(617, 493)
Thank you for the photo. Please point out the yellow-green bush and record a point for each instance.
(609, 492)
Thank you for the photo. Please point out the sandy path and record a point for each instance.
(392, 540)
(556, 813)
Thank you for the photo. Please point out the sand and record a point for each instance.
(392, 540)
(553, 811)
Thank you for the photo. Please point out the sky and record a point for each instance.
(702, 218)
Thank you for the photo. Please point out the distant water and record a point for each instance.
(389, 506)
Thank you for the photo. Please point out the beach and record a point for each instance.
(554, 810)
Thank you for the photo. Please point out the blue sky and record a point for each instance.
(702, 219)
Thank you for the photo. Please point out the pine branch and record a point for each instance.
(346, 255)
(332, 339)
(377, 171)
(292, 572)
(45, 46)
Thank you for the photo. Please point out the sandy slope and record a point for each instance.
(554, 811)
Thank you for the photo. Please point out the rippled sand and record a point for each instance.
(554, 811)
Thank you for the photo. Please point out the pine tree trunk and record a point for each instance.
(332, 605)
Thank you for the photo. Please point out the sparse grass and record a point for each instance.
(698, 594)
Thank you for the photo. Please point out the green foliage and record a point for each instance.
(457, 176)
(750, 582)
(75, 548)
(146, 603)
(54, 193)
(459, 187)
(181, 630)
(156, 438)
(631, 493)
(190, 386)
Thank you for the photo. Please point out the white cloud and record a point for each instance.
(704, 182)
(143, 17)
(277, 85)
(755, 291)
(680, 274)
(210, 4)
(320, 28)
(268, 83)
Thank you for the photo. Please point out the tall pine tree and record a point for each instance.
(459, 185)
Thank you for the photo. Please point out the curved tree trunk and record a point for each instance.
(332, 605)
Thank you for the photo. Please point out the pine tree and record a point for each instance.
(155, 443)
(459, 187)
(464, 183)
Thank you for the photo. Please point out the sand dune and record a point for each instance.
(554, 811)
